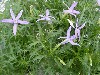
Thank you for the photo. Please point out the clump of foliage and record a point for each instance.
(35, 49)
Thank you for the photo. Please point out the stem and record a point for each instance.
(56, 47)
(15, 29)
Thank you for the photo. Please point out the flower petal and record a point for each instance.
(77, 33)
(73, 14)
(19, 15)
(47, 18)
(23, 22)
(41, 15)
(73, 37)
(76, 12)
(66, 11)
(12, 14)
(7, 20)
(47, 12)
(65, 41)
(73, 43)
(40, 19)
(76, 23)
(68, 32)
(82, 26)
(73, 5)
(15, 28)
(62, 37)
(71, 23)
(51, 17)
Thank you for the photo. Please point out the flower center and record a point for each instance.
(71, 11)
(15, 21)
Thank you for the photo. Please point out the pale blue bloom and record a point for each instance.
(77, 28)
(45, 17)
(69, 38)
(15, 20)
(71, 10)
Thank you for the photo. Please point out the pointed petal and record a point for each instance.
(62, 37)
(41, 15)
(23, 22)
(47, 12)
(76, 23)
(12, 14)
(64, 42)
(51, 17)
(73, 37)
(82, 26)
(19, 15)
(66, 11)
(73, 14)
(76, 12)
(73, 43)
(40, 19)
(15, 28)
(47, 18)
(77, 33)
(68, 32)
(73, 5)
(7, 20)
(71, 23)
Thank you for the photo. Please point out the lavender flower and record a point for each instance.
(15, 20)
(69, 38)
(46, 17)
(77, 28)
(71, 10)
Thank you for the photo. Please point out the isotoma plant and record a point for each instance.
(36, 50)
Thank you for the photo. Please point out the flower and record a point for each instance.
(77, 28)
(15, 20)
(69, 38)
(46, 17)
(71, 10)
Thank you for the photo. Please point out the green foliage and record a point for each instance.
(35, 50)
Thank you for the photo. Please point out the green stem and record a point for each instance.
(57, 46)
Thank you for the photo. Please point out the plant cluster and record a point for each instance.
(36, 47)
